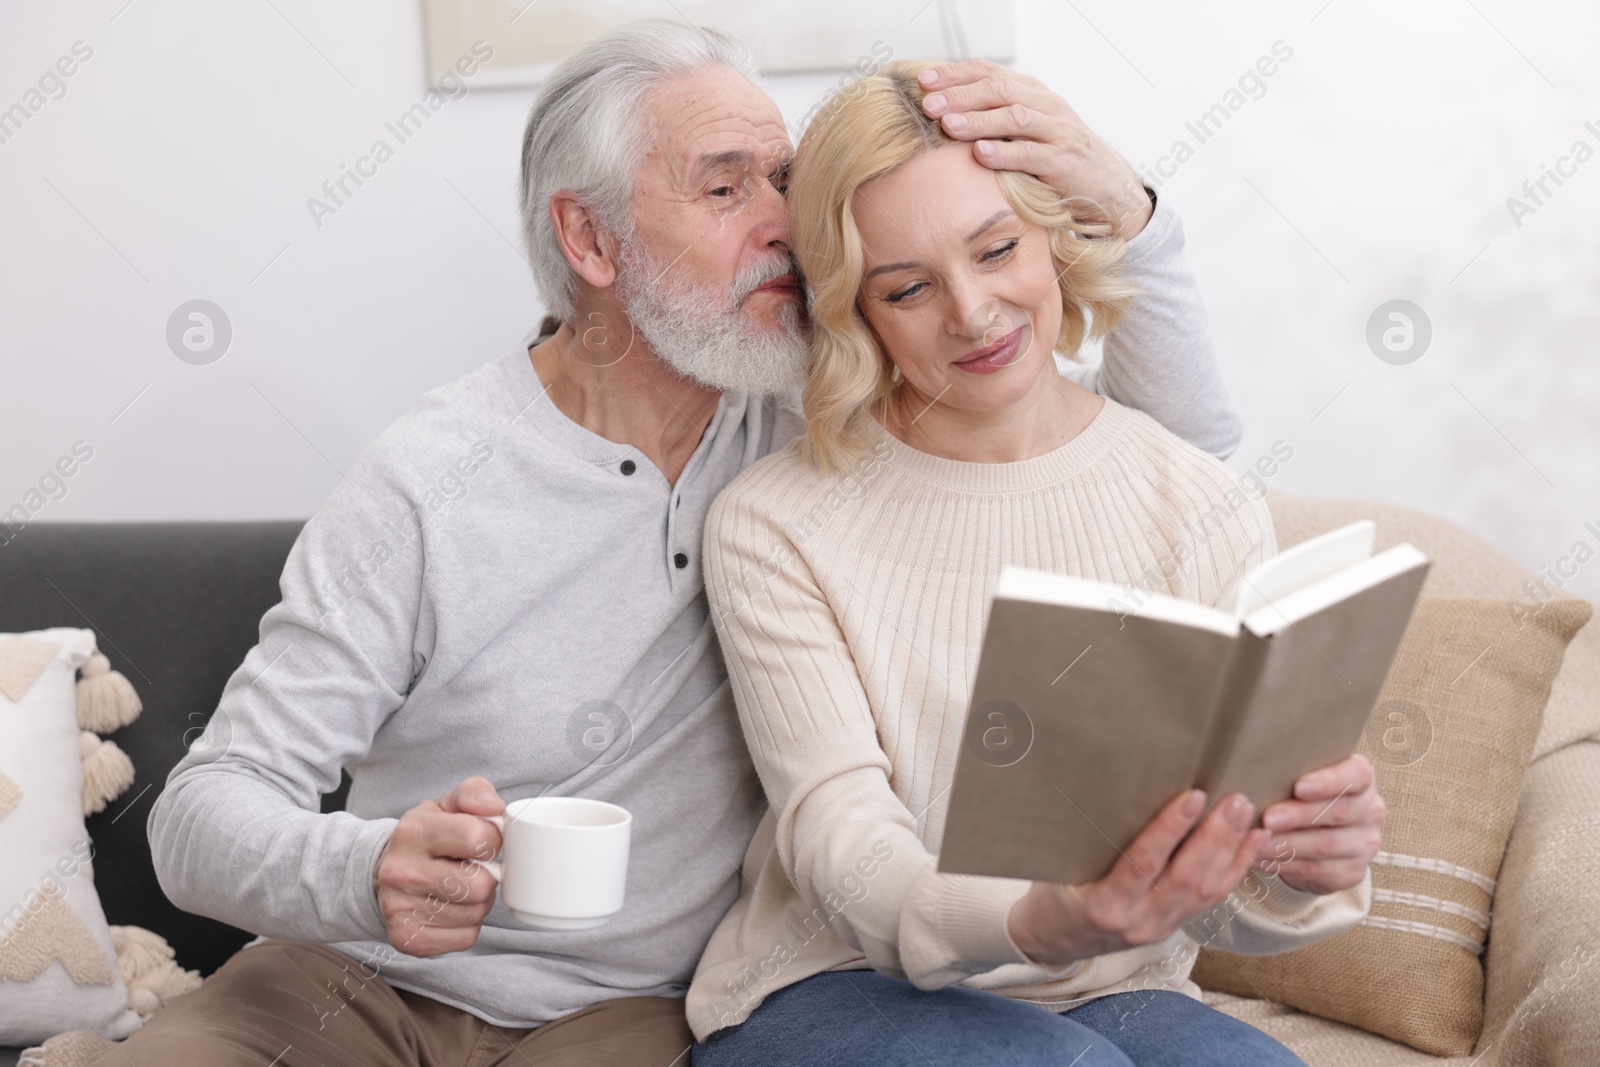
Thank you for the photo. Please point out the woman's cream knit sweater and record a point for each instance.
(851, 612)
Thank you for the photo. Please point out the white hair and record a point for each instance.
(585, 133)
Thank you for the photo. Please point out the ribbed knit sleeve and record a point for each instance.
(1275, 917)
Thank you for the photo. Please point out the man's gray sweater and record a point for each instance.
(494, 590)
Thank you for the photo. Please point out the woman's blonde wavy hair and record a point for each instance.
(868, 129)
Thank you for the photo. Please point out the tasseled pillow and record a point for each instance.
(48, 734)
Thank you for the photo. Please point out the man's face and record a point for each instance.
(709, 196)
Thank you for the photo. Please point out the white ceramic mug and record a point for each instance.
(563, 862)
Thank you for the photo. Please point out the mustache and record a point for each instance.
(753, 277)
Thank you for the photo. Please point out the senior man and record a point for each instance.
(503, 598)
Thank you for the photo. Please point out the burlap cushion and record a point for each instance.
(1450, 738)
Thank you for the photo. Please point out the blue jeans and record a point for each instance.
(843, 1018)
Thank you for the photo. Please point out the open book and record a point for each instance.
(1095, 704)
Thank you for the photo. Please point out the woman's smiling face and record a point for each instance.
(959, 290)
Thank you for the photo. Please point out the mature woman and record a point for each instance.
(850, 574)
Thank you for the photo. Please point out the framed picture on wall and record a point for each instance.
(530, 36)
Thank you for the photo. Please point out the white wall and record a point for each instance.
(1376, 165)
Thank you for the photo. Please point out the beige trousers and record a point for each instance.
(290, 1004)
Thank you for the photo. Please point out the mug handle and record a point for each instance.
(493, 866)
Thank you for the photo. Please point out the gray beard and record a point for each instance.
(700, 332)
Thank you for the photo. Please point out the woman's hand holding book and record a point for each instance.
(1167, 876)
(1325, 837)
(1321, 841)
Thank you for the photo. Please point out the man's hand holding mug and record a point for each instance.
(563, 866)
(432, 892)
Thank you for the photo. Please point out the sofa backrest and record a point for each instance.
(175, 607)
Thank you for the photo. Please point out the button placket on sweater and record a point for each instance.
(679, 558)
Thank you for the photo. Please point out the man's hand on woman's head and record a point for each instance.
(1018, 123)
(1325, 837)
(433, 894)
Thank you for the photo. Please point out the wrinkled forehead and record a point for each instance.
(710, 121)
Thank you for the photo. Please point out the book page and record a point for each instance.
(1300, 565)
(1048, 587)
(1286, 610)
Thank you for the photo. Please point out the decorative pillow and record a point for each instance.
(1450, 738)
(42, 932)
(58, 967)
